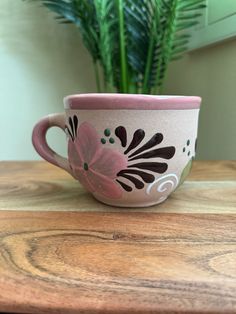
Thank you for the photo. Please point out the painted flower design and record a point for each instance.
(93, 165)
(140, 171)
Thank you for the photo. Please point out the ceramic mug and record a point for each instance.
(127, 150)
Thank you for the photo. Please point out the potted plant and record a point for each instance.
(131, 43)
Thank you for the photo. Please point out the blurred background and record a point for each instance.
(41, 61)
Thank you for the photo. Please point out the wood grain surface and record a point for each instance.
(210, 188)
(178, 257)
(117, 263)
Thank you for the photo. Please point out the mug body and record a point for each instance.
(131, 150)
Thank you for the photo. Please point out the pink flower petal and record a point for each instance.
(73, 156)
(83, 178)
(104, 186)
(103, 164)
(109, 162)
(87, 143)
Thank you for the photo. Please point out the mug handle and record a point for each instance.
(40, 143)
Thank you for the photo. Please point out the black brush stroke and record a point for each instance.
(155, 140)
(121, 133)
(69, 132)
(165, 153)
(146, 177)
(138, 184)
(158, 167)
(75, 124)
(124, 186)
(71, 126)
(137, 139)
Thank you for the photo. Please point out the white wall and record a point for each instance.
(41, 61)
(210, 72)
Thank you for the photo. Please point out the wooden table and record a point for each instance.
(62, 252)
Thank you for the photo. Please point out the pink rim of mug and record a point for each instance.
(130, 102)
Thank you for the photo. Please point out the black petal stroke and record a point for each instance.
(155, 140)
(69, 132)
(158, 167)
(137, 139)
(72, 127)
(146, 177)
(124, 186)
(121, 133)
(75, 124)
(138, 184)
(165, 152)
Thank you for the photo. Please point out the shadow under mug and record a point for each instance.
(127, 150)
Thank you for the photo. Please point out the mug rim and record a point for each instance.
(116, 101)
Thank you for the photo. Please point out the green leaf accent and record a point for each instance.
(185, 172)
(107, 132)
(131, 41)
(86, 166)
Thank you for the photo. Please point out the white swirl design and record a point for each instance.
(172, 180)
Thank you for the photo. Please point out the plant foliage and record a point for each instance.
(132, 41)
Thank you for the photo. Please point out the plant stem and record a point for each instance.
(152, 41)
(133, 88)
(97, 76)
(166, 48)
(161, 86)
(148, 64)
(124, 72)
(170, 36)
(156, 86)
(104, 84)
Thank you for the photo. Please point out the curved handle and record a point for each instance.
(40, 143)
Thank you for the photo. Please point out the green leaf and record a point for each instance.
(104, 9)
(185, 172)
(189, 16)
(137, 20)
(185, 25)
(190, 4)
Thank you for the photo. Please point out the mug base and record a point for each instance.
(132, 205)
